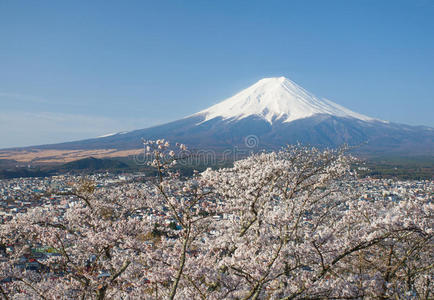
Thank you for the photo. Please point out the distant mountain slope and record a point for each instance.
(94, 164)
(274, 112)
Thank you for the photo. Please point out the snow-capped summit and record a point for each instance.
(276, 98)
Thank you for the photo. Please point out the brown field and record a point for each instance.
(63, 156)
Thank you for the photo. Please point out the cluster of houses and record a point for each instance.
(19, 194)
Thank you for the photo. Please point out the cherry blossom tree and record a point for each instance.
(129, 240)
(294, 227)
(282, 225)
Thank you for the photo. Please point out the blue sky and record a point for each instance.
(77, 69)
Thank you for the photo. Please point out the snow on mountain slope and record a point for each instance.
(112, 134)
(273, 99)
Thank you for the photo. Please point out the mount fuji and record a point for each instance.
(276, 112)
